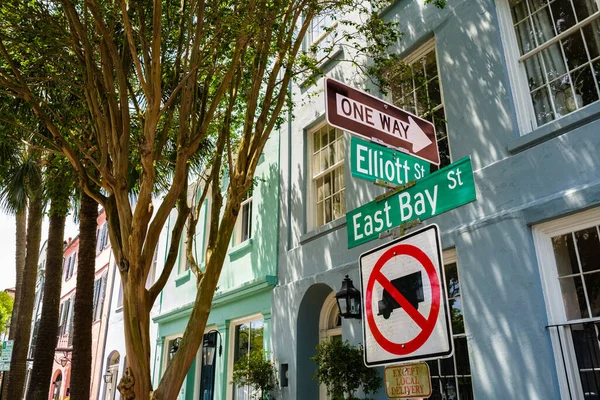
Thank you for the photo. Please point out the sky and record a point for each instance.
(7, 246)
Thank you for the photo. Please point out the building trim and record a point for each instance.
(249, 289)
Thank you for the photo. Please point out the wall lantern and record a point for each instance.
(107, 377)
(348, 299)
(174, 347)
(209, 346)
(64, 361)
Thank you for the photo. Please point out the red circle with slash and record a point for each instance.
(426, 324)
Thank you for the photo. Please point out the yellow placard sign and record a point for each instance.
(408, 381)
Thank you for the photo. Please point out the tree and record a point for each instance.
(81, 360)
(168, 85)
(341, 369)
(6, 307)
(58, 188)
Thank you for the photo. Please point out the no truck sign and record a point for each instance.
(406, 310)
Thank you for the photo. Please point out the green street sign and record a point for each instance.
(444, 190)
(371, 161)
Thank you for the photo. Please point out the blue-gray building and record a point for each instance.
(515, 85)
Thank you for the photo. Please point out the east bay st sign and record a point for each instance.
(448, 188)
(371, 161)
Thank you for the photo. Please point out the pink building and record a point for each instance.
(104, 277)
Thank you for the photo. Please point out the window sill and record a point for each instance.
(241, 248)
(182, 278)
(323, 230)
(555, 128)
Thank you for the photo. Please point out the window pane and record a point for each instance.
(542, 106)
(452, 286)
(320, 214)
(563, 95)
(325, 158)
(554, 62)
(430, 65)
(433, 91)
(562, 13)
(525, 37)
(444, 150)
(447, 366)
(433, 368)
(535, 74)
(327, 185)
(461, 354)
(448, 388)
(458, 325)
(573, 297)
(574, 50)
(584, 8)
(592, 284)
(343, 202)
(589, 249)
(591, 32)
(316, 167)
(585, 87)
(328, 210)
(465, 388)
(337, 206)
(564, 253)
(535, 5)
(518, 10)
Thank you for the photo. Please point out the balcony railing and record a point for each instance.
(579, 345)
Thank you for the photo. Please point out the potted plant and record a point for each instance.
(341, 369)
(258, 372)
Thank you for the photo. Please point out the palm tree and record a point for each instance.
(30, 175)
(58, 178)
(81, 361)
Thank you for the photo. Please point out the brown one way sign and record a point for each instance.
(360, 113)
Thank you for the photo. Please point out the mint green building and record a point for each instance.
(240, 318)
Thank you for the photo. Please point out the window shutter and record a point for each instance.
(101, 297)
(71, 312)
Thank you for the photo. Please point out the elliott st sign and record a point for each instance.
(448, 188)
(359, 112)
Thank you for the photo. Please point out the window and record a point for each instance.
(70, 266)
(102, 242)
(247, 337)
(451, 377)
(558, 50)
(327, 171)
(416, 88)
(66, 316)
(319, 26)
(243, 224)
(99, 291)
(568, 252)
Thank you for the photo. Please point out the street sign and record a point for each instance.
(366, 115)
(406, 314)
(6, 353)
(408, 381)
(443, 190)
(4, 367)
(372, 162)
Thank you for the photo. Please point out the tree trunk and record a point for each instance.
(81, 361)
(173, 377)
(21, 344)
(21, 240)
(43, 356)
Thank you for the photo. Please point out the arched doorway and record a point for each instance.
(56, 386)
(330, 328)
(111, 378)
(308, 330)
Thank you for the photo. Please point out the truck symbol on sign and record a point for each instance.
(411, 288)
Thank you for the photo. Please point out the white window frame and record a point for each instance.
(311, 192)
(237, 230)
(413, 57)
(517, 75)
(231, 347)
(542, 237)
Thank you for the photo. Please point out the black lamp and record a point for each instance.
(209, 346)
(348, 299)
(64, 361)
(107, 377)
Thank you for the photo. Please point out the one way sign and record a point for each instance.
(359, 112)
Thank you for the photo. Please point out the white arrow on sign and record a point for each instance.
(409, 131)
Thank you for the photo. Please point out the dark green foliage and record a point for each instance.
(341, 369)
(258, 372)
